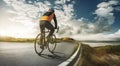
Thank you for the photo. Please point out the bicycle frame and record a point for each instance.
(42, 41)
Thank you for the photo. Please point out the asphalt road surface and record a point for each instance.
(23, 54)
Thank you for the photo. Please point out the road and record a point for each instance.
(23, 54)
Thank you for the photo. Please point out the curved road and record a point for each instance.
(23, 54)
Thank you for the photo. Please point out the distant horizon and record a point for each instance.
(62, 37)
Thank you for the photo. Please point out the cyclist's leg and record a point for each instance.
(50, 27)
(42, 28)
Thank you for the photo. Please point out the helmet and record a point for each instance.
(51, 9)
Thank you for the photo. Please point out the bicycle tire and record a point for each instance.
(37, 45)
(52, 46)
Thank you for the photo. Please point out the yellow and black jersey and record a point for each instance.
(48, 16)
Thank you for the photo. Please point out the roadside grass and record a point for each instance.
(13, 39)
(100, 56)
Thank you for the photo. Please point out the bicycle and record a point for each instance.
(44, 42)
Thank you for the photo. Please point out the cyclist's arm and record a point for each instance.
(55, 21)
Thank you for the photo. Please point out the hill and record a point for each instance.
(12, 39)
(100, 56)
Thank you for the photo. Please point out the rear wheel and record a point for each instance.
(52, 44)
(38, 44)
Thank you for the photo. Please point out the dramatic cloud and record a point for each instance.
(28, 14)
(14, 19)
(84, 30)
(105, 10)
(20, 18)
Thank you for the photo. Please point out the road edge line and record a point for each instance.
(73, 59)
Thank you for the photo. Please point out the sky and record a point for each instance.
(78, 19)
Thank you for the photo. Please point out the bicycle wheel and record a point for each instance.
(38, 44)
(52, 44)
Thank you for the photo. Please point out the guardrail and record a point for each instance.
(74, 59)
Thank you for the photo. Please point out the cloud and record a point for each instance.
(115, 36)
(104, 18)
(23, 19)
(83, 29)
(102, 22)
(98, 36)
(105, 10)
(14, 19)
(27, 14)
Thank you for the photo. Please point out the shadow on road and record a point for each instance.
(55, 55)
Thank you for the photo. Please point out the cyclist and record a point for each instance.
(45, 22)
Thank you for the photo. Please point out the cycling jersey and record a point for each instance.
(48, 16)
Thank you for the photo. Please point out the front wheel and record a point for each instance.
(38, 44)
(52, 44)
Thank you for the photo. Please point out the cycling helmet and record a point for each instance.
(51, 9)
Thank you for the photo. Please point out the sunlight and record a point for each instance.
(17, 33)
(14, 27)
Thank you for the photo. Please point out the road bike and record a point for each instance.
(42, 42)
